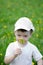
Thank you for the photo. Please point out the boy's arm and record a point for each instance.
(9, 59)
(39, 62)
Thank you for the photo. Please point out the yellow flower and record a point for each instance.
(37, 35)
(22, 41)
(0, 54)
(11, 32)
(32, 63)
(8, 34)
(4, 26)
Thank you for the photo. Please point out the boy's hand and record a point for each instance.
(18, 51)
(9, 59)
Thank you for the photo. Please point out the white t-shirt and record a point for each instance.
(25, 58)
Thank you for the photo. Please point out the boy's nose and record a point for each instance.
(22, 37)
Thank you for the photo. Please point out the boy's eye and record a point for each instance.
(19, 35)
(25, 35)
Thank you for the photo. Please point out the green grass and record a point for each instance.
(10, 11)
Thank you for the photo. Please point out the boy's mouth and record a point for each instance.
(21, 41)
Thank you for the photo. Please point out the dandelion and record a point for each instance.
(11, 32)
(21, 41)
(8, 34)
(32, 63)
(4, 26)
(0, 54)
(36, 22)
(37, 35)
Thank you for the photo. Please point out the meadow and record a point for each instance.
(10, 11)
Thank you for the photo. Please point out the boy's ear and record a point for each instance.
(31, 31)
(29, 34)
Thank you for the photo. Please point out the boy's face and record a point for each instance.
(22, 37)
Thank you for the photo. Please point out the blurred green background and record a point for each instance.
(10, 12)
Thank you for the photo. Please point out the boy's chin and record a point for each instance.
(22, 43)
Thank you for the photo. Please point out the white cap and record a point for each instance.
(24, 23)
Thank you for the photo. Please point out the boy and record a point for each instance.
(22, 51)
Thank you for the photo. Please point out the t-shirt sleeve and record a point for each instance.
(9, 50)
(36, 54)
